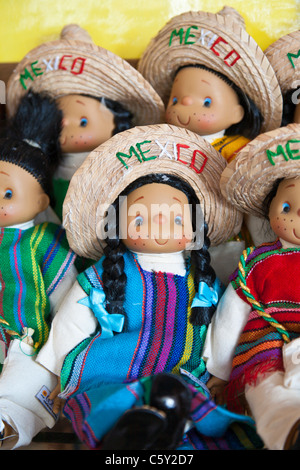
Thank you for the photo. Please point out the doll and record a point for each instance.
(99, 94)
(144, 306)
(283, 55)
(213, 79)
(253, 339)
(36, 271)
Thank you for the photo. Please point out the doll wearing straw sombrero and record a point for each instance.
(253, 340)
(99, 93)
(128, 338)
(213, 79)
(284, 56)
(216, 81)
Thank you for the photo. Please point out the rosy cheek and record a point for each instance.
(5, 212)
(136, 243)
(278, 225)
(170, 116)
(205, 121)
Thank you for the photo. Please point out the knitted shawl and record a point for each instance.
(272, 274)
(33, 263)
(158, 336)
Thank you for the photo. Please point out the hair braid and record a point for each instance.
(203, 272)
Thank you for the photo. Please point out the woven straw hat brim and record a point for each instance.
(252, 72)
(103, 176)
(248, 179)
(104, 74)
(284, 56)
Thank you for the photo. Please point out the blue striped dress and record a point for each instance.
(102, 378)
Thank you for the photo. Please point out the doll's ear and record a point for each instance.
(44, 201)
(238, 113)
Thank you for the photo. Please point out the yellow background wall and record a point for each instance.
(125, 27)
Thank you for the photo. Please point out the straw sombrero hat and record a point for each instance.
(284, 56)
(74, 64)
(248, 179)
(220, 42)
(139, 151)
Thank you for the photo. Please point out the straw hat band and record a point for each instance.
(271, 156)
(220, 43)
(138, 152)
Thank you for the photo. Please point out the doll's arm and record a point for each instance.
(223, 333)
(72, 324)
(216, 387)
(58, 295)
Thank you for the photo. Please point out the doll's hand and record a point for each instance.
(216, 387)
(57, 401)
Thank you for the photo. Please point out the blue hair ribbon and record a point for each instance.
(208, 296)
(108, 322)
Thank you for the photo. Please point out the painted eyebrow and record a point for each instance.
(3, 173)
(141, 197)
(175, 199)
(204, 81)
(80, 102)
(290, 186)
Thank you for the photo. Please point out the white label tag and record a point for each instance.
(43, 397)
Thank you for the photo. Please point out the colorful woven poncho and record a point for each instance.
(33, 263)
(272, 274)
(103, 377)
(229, 146)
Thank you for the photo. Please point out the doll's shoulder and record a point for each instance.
(51, 244)
(92, 276)
(252, 258)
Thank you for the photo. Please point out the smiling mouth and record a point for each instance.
(161, 244)
(295, 234)
(184, 123)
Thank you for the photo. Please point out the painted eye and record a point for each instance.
(174, 100)
(138, 221)
(83, 122)
(286, 207)
(178, 220)
(207, 102)
(8, 194)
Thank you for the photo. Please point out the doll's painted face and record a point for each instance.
(86, 123)
(202, 102)
(156, 219)
(21, 196)
(284, 213)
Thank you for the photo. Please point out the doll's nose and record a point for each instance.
(187, 101)
(159, 219)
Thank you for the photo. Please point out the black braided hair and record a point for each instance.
(250, 125)
(122, 116)
(114, 278)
